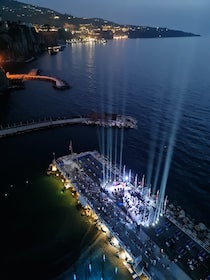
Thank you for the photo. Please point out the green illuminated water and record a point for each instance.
(46, 236)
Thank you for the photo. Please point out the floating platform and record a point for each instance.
(162, 251)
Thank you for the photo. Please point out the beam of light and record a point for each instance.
(169, 154)
(166, 171)
(178, 101)
(152, 151)
(109, 109)
(159, 161)
(100, 134)
(102, 149)
(122, 100)
(155, 132)
(113, 97)
(115, 149)
(121, 148)
(110, 146)
(183, 81)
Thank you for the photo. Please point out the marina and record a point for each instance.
(155, 246)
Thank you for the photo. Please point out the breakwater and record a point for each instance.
(15, 129)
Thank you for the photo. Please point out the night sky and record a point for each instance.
(187, 15)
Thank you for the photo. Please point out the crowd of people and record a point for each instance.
(136, 205)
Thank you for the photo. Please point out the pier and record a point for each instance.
(32, 75)
(15, 129)
(161, 251)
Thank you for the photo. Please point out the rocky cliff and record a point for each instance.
(4, 82)
(18, 42)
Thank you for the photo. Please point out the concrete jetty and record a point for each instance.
(58, 84)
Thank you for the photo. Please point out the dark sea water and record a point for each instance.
(164, 84)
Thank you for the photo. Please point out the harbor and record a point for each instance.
(156, 248)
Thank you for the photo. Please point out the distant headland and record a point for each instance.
(27, 30)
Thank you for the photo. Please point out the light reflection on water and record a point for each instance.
(141, 78)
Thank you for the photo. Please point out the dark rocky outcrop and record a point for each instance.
(18, 42)
(4, 82)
